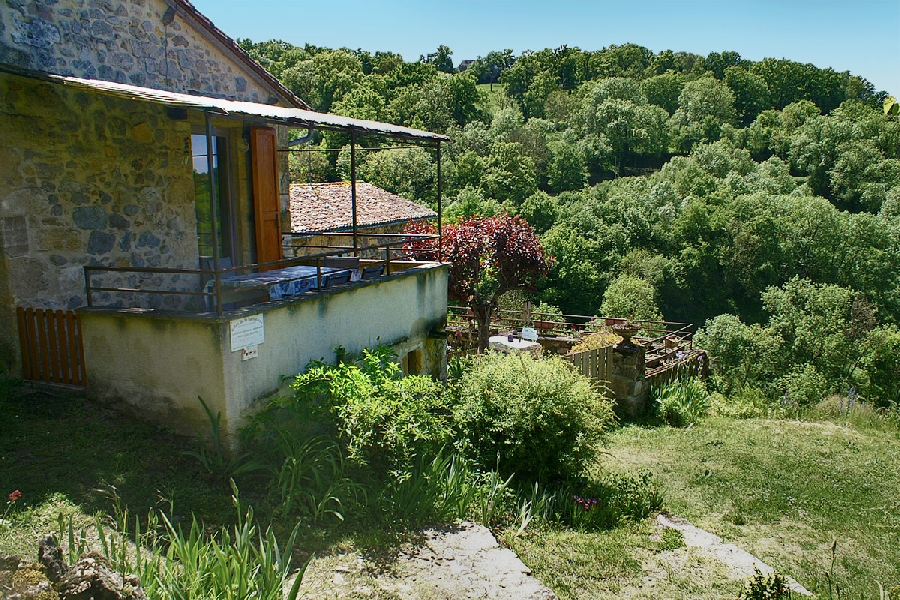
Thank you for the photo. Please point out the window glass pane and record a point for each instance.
(201, 195)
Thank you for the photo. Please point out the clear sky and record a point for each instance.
(860, 36)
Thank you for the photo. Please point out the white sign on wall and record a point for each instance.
(247, 332)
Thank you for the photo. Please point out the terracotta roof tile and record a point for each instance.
(323, 207)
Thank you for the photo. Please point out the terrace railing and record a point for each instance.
(195, 290)
(652, 334)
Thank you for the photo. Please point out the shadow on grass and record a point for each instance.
(58, 443)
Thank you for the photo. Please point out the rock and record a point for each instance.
(50, 555)
(20, 580)
(90, 578)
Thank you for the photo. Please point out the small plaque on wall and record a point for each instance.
(247, 332)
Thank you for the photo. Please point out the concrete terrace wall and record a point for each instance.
(156, 364)
(123, 41)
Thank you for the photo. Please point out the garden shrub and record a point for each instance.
(743, 403)
(683, 402)
(382, 419)
(537, 419)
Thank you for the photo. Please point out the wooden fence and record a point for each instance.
(52, 348)
(691, 363)
(596, 363)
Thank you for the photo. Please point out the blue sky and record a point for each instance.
(860, 36)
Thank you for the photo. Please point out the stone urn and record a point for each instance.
(626, 331)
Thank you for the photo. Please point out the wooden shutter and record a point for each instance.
(266, 195)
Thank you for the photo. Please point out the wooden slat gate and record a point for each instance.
(596, 363)
(52, 348)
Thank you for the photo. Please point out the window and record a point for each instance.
(225, 230)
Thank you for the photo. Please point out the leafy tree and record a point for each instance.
(385, 62)
(627, 60)
(440, 59)
(469, 203)
(581, 267)
(751, 95)
(631, 297)
(718, 63)
(630, 129)
(468, 171)
(824, 326)
(881, 361)
(509, 175)
(540, 210)
(741, 354)
(703, 107)
(489, 68)
(324, 79)
(489, 257)
(663, 90)
(409, 172)
(568, 169)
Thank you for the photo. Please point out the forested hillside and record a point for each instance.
(761, 199)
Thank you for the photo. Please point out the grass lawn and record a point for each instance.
(494, 95)
(63, 453)
(783, 490)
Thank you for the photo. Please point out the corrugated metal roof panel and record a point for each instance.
(287, 116)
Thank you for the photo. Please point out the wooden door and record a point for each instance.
(266, 205)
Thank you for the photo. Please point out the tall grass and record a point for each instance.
(243, 563)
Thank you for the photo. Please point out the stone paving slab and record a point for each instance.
(740, 561)
(460, 561)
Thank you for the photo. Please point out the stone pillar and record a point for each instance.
(627, 379)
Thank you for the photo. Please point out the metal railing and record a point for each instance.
(214, 296)
(654, 332)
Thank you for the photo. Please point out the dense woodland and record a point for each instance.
(758, 199)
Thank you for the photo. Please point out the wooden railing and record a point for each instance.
(595, 364)
(692, 362)
(52, 348)
(655, 335)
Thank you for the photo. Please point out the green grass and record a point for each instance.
(782, 490)
(633, 561)
(63, 453)
(494, 98)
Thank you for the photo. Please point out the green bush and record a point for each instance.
(765, 587)
(382, 419)
(537, 419)
(682, 403)
(744, 403)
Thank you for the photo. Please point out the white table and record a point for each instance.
(501, 343)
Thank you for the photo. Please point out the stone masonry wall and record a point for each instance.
(87, 179)
(123, 41)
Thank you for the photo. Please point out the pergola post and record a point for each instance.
(212, 209)
(353, 190)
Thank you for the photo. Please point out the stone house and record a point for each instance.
(142, 169)
(321, 216)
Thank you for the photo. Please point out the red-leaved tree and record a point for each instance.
(488, 256)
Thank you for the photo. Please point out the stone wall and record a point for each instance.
(297, 245)
(124, 41)
(86, 180)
